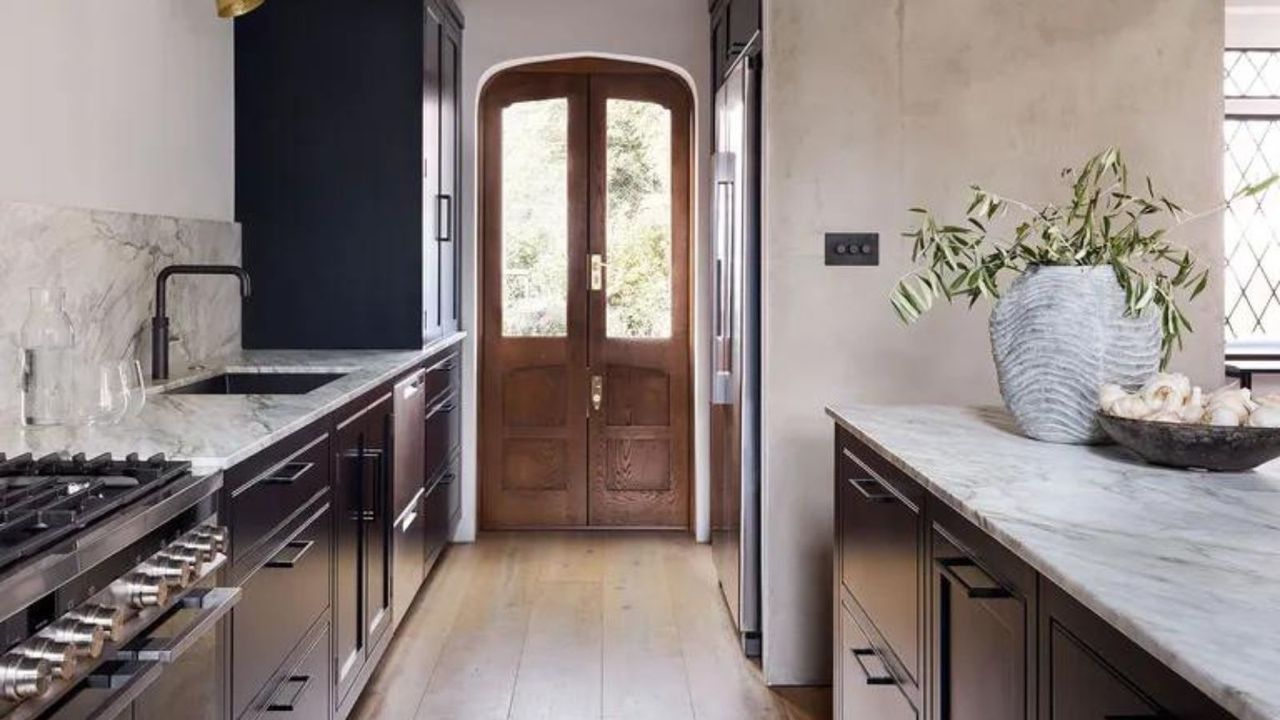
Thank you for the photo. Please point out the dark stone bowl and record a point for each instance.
(1204, 447)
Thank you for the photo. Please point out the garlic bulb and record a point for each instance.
(1165, 416)
(1265, 416)
(1109, 395)
(1236, 401)
(1130, 407)
(1222, 417)
(1168, 391)
(1193, 410)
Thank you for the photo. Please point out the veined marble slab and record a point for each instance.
(215, 432)
(1186, 564)
(108, 262)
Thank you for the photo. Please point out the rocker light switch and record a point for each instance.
(853, 248)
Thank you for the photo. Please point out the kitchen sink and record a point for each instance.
(265, 383)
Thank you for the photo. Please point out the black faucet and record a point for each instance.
(160, 323)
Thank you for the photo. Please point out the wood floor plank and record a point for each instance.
(724, 684)
(476, 674)
(560, 670)
(644, 670)
(396, 689)
(575, 626)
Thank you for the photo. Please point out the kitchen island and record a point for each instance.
(1102, 586)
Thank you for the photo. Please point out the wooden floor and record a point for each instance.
(575, 626)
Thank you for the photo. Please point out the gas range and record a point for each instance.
(43, 500)
(101, 560)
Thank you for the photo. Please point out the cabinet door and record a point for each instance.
(881, 533)
(868, 690)
(1083, 687)
(348, 623)
(377, 515)
(744, 23)
(432, 204)
(980, 640)
(450, 175)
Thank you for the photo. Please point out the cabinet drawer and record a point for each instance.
(302, 692)
(451, 484)
(444, 373)
(437, 515)
(444, 431)
(868, 690)
(880, 554)
(261, 505)
(281, 601)
(1082, 685)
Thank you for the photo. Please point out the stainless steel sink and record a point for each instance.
(265, 383)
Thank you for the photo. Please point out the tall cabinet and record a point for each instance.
(348, 171)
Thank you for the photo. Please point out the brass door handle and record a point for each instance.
(597, 392)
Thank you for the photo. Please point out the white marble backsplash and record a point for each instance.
(107, 262)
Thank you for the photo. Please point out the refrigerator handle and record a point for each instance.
(722, 307)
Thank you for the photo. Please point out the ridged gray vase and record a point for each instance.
(1060, 333)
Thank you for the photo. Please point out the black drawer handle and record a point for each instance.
(302, 682)
(986, 587)
(299, 548)
(884, 678)
(866, 488)
(448, 479)
(288, 474)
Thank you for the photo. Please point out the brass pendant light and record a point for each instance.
(236, 8)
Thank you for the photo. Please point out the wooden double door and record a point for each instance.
(585, 392)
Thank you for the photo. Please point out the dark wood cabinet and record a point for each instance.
(996, 640)
(979, 631)
(348, 172)
(442, 169)
(362, 606)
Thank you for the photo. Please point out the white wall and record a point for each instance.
(674, 33)
(939, 94)
(121, 105)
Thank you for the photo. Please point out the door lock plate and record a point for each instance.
(597, 271)
(597, 392)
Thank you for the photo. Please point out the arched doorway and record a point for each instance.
(585, 293)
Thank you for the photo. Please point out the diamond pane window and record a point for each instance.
(1252, 225)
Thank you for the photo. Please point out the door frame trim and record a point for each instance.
(697, 486)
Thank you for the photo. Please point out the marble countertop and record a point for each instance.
(1186, 564)
(216, 432)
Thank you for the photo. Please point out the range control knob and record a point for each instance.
(174, 572)
(202, 547)
(190, 558)
(85, 639)
(110, 619)
(23, 677)
(140, 590)
(60, 656)
(214, 536)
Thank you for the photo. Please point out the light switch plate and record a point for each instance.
(852, 248)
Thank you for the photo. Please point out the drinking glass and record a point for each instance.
(102, 394)
(135, 385)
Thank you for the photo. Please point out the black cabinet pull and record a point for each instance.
(448, 479)
(299, 548)
(1138, 717)
(985, 587)
(288, 474)
(884, 678)
(866, 486)
(302, 682)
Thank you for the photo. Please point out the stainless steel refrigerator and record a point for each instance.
(735, 392)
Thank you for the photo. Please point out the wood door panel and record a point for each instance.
(548, 456)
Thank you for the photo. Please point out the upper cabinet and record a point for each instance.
(735, 24)
(348, 172)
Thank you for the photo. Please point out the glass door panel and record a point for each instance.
(638, 223)
(535, 220)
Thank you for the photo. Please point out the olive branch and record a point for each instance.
(1104, 224)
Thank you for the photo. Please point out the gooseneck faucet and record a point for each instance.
(160, 323)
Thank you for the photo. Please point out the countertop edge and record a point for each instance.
(1237, 702)
(216, 464)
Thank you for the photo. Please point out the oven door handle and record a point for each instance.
(213, 603)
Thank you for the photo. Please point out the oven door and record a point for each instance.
(177, 668)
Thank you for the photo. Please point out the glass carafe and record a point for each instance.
(48, 362)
